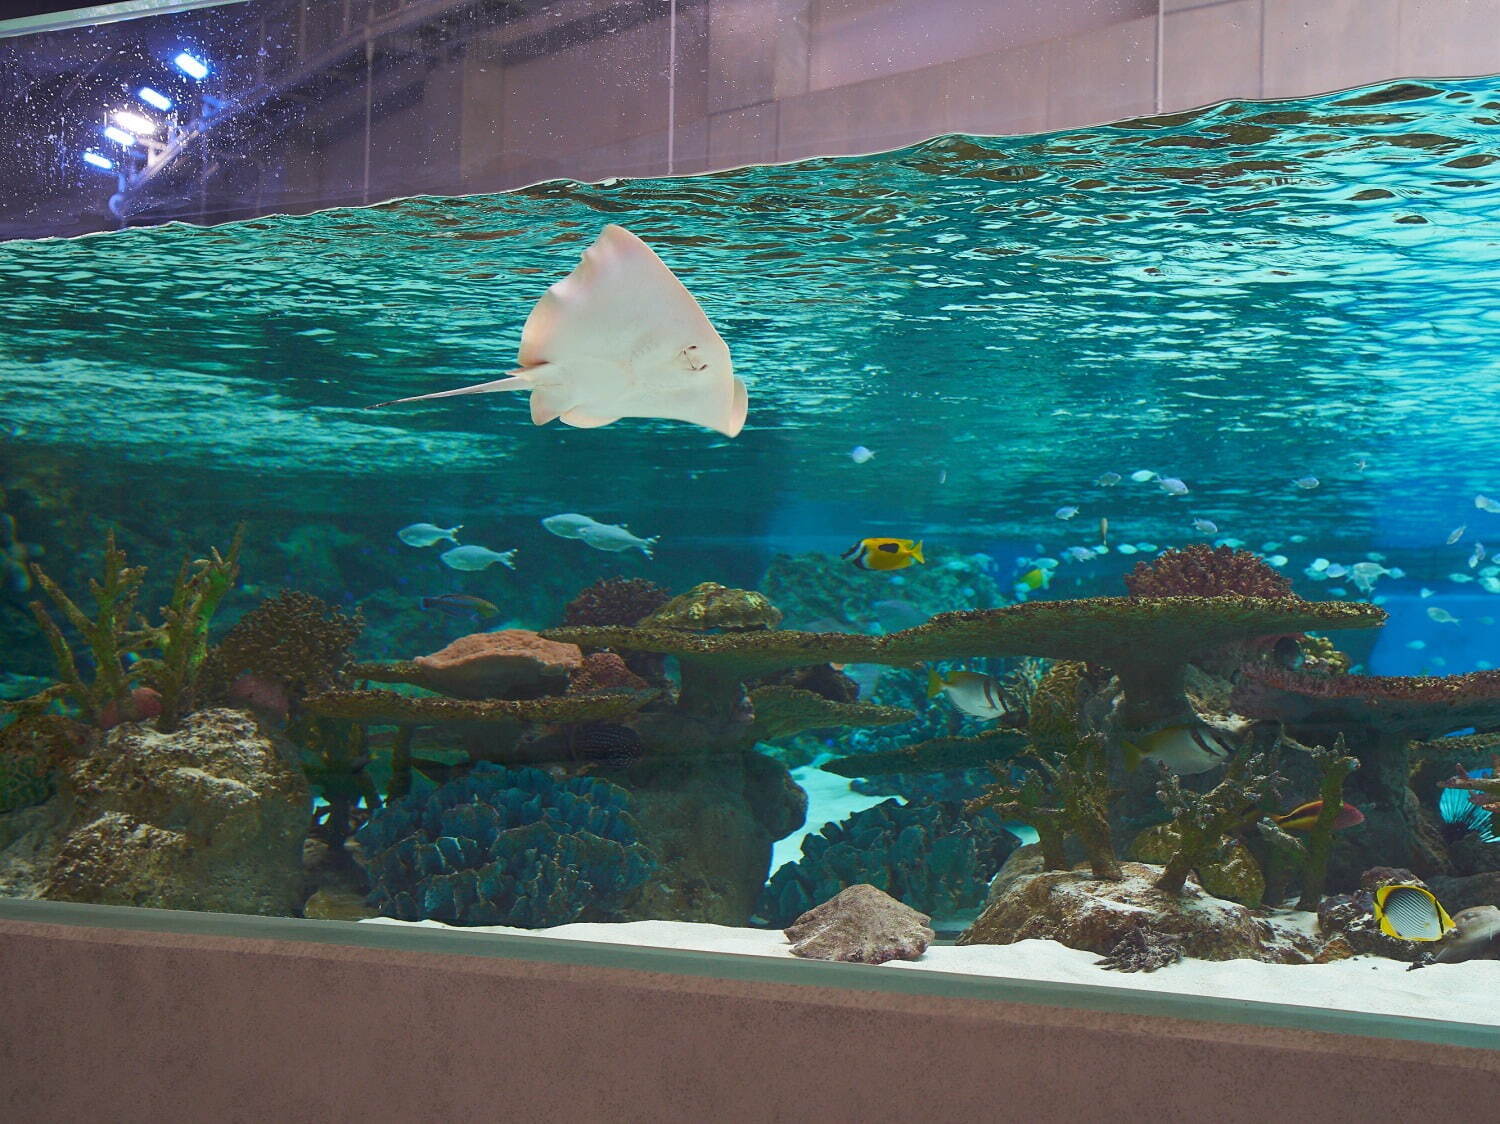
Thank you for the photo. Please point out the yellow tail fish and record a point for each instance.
(884, 554)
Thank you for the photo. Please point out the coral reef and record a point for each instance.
(860, 925)
(1334, 764)
(932, 857)
(1202, 822)
(604, 671)
(211, 816)
(710, 607)
(294, 638)
(933, 755)
(1205, 571)
(1379, 717)
(506, 847)
(615, 601)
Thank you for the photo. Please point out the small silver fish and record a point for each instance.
(1457, 533)
(1460, 577)
(859, 454)
(1484, 503)
(1442, 616)
(425, 534)
(1140, 476)
(1172, 486)
(1478, 556)
(603, 536)
(1126, 548)
(1306, 483)
(1278, 560)
(1206, 526)
(1079, 553)
(1416, 645)
(477, 558)
(1065, 512)
(1336, 571)
(1107, 479)
(568, 525)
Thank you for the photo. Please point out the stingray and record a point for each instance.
(620, 337)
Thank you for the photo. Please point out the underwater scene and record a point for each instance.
(1059, 554)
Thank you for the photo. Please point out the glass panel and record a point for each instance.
(1185, 414)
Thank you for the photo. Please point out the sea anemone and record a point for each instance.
(1205, 571)
(615, 601)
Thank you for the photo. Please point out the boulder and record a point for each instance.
(862, 925)
(508, 664)
(1078, 910)
(210, 817)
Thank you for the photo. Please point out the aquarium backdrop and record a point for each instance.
(1267, 327)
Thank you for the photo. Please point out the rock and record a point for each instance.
(337, 905)
(1023, 863)
(1352, 916)
(711, 606)
(1076, 909)
(1233, 875)
(1462, 893)
(511, 663)
(861, 925)
(210, 817)
(29, 839)
(711, 821)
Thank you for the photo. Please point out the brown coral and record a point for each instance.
(294, 637)
(1204, 571)
(615, 601)
(604, 671)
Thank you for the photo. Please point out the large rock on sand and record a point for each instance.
(1078, 910)
(211, 817)
(861, 925)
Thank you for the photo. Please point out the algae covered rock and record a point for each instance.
(860, 925)
(209, 817)
(711, 606)
(1352, 917)
(1080, 911)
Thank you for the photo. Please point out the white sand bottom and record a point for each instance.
(1461, 993)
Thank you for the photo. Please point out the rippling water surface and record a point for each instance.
(1239, 297)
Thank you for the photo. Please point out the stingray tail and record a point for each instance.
(515, 380)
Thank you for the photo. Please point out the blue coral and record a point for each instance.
(930, 856)
(506, 847)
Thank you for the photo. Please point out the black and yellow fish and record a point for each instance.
(884, 554)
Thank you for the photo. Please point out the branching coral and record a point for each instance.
(506, 847)
(1203, 821)
(615, 601)
(1063, 790)
(1334, 764)
(929, 856)
(111, 634)
(1204, 571)
(182, 637)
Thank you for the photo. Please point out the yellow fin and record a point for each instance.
(916, 552)
(934, 684)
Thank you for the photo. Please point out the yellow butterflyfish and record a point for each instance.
(884, 554)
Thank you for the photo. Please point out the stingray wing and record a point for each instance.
(623, 338)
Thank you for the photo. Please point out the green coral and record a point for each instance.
(713, 606)
(182, 637)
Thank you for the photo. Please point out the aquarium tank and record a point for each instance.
(1078, 536)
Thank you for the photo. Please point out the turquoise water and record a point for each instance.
(1293, 308)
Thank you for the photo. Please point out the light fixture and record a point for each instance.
(99, 161)
(192, 67)
(120, 136)
(135, 122)
(154, 99)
